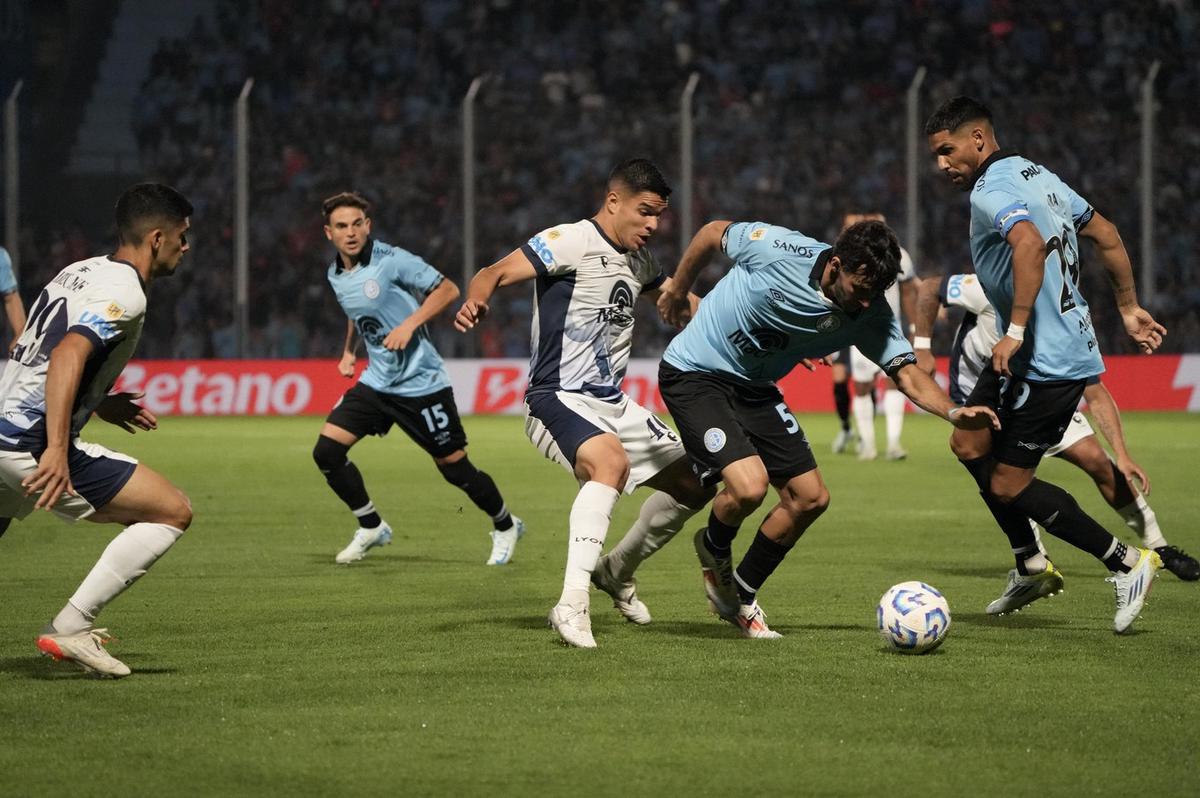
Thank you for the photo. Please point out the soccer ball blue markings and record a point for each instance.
(913, 618)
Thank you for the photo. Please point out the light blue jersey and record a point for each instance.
(8, 281)
(1060, 343)
(384, 288)
(768, 312)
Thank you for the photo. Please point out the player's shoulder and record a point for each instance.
(771, 237)
(111, 280)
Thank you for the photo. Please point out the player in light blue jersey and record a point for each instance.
(14, 311)
(787, 299)
(1025, 225)
(388, 295)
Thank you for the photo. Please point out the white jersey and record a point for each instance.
(907, 272)
(99, 298)
(582, 329)
(976, 334)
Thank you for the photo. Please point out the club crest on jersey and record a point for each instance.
(620, 300)
(371, 289)
(829, 323)
(714, 439)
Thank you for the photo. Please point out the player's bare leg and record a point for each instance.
(1131, 505)
(745, 486)
(602, 468)
(155, 514)
(677, 496)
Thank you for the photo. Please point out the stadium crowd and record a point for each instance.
(799, 118)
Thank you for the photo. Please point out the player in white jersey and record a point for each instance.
(900, 295)
(82, 330)
(974, 340)
(588, 276)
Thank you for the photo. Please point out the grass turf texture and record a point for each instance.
(262, 667)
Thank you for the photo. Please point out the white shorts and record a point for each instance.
(97, 474)
(862, 369)
(1077, 430)
(558, 423)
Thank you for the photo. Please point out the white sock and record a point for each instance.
(590, 515)
(1033, 558)
(864, 419)
(1037, 536)
(123, 562)
(1142, 520)
(893, 413)
(658, 521)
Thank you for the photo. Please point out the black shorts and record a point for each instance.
(431, 421)
(1033, 414)
(722, 420)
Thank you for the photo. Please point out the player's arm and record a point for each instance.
(673, 302)
(928, 395)
(1140, 325)
(53, 476)
(908, 303)
(14, 311)
(1029, 269)
(513, 268)
(349, 359)
(435, 302)
(1103, 409)
(927, 305)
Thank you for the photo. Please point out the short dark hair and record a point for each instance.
(145, 206)
(871, 249)
(345, 199)
(956, 112)
(638, 175)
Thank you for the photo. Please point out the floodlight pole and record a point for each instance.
(12, 179)
(912, 237)
(468, 192)
(686, 161)
(241, 219)
(1148, 242)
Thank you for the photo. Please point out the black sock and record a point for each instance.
(760, 561)
(480, 489)
(1116, 560)
(719, 537)
(841, 400)
(1061, 516)
(1015, 525)
(344, 477)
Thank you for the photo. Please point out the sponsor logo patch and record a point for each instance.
(554, 235)
(114, 311)
(714, 439)
(758, 233)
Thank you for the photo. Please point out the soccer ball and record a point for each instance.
(913, 618)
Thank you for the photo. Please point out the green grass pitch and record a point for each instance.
(260, 667)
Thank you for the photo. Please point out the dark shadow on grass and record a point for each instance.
(1024, 620)
(998, 572)
(379, 562)
(45, 670)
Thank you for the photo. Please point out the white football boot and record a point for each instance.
(1022, 590)
(504, 543)
(363, 541)
(85, 649)
(718, 579)
(1133, 588)
(753, 623)
(573, 624)
(624, 594)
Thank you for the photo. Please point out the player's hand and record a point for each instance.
(675, 308)
(120, 409)
(471, 313)
(1132, 472)
(52, 477)
(1143, 329)
(346, 364)
(398, 338)
(811, 364)
(974, 417)
(926, 362)
(1002, 352)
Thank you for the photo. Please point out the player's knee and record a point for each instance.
(459, 473)
(969, 446)
(1005, 490)
(328, 454)
(178, 512)
(748, 494)
(808, 505)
